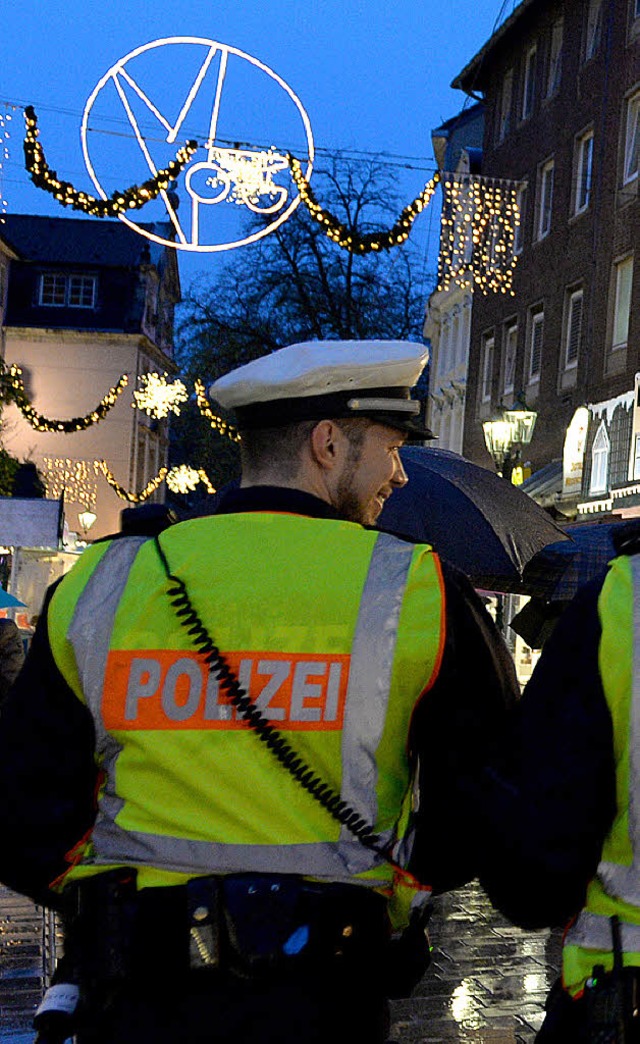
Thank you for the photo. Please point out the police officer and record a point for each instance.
(564, 835)
(240, 754)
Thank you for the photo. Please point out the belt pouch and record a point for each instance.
(261, 921)
(104, 928)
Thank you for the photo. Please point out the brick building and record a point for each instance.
(561, 84)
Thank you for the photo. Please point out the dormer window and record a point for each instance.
(59, 290)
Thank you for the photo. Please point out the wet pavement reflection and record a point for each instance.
(488, 981)
(486, 985)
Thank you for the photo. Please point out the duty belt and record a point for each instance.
(250, 924)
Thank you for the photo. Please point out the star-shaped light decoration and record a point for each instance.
(157, 397)
(182, 479)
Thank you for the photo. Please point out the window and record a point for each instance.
(600, 461)
(636, 458)
(504, 113)
(53, 290)
(573, 329)
(510, 349)
(521, 202)
(73, 291)
(594, 29)
(622, 302)
(584, 169)
(545, 198)
(555, 58)
(529, 83)
(81, 291)
(632, 139)
(487, 368)
(536, 335)
(455, 337)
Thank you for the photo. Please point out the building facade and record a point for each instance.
(447, 326)
(87, 302)
(561, 84)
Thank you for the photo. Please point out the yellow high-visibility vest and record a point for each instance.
(335, 631)
(615, 889)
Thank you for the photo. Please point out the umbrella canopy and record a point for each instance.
(9, 601)
(474, 518)
(557, 572)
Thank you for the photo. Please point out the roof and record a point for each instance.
(471, 112)
(467, 80)
(79, 241)
(544, 483)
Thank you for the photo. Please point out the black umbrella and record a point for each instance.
(474, 518)
(559, 570)
(555, 574)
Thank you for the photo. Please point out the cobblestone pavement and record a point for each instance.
(486, 984)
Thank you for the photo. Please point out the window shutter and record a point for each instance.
(537, 331)
(574, 328)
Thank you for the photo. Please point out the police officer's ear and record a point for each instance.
(326, 444)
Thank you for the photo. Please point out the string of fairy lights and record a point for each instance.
(479, 223)
(349, 238)
(157, 397)
(18, 395)
(119, 202)
(486, 211)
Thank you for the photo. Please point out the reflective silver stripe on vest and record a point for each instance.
(624, 881)
(372, 657)
(593, 932)
(90, 635)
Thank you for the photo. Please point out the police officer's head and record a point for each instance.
(328, 417)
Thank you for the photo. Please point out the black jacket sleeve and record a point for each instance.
(457, 725)
(548, 800)
(47, 773)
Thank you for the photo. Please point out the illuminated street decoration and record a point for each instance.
(73, 479)
(184, 479)
(350, 239)
(242, 175)
(478, 226)
(128, 199)
(124, 494)
(216, 422)
(180, 479)
(245, 177)
(157, 397)
(40, 423)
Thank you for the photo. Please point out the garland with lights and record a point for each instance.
(217, 423)
(180, 479)
(349, 239)
(124, 494)
(130, 199)
(18, 395)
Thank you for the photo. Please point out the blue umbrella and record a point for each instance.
(9, 601)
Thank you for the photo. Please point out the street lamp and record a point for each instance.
(86, 519)
(507, 433)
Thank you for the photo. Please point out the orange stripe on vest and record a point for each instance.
(172, 689)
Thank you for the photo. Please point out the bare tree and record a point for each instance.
(297, 285)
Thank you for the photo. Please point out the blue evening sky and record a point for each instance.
(373, 75)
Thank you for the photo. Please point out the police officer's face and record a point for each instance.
(371, 470)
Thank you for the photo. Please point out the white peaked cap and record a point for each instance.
(326, 379)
